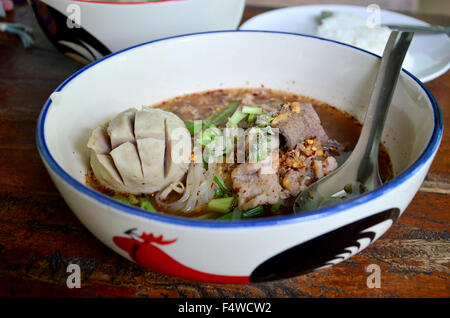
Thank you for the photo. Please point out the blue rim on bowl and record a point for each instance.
(431, 147)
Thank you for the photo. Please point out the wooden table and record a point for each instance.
(39, 235)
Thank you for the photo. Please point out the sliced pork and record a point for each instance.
(297, 122)
(257, 183)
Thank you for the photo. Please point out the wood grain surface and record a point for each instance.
(39, 235)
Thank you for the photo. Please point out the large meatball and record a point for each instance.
(140, 151)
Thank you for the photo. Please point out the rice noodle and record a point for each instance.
(198, 191)
(176, 186)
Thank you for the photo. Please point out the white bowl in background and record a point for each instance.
(250, 250)
(429, 53)
(88, 30)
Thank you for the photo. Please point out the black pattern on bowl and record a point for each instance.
(74, 42)
(321, 251)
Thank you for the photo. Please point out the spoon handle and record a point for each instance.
(432, 29)
(383, 90)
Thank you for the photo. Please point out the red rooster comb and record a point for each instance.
(149, 238)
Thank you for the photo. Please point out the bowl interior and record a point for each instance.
(330, 72)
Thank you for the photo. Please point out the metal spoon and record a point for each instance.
(428, 29)
(359, 173)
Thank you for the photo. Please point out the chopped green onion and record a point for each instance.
(219, 192)
(226, 217)
(194, 126)
(257, 151)
(221, 205)
(219, 183)
(236, 117)
(215, 149)
(275, 207)
(146, 204)
(252, 110)
(263, 120)
(230, 109)
(236, 214)
(250, 118)
(231, 216)
(208, 124)
(190, 126)
(208, 135)
(122, 199)
(253, 212)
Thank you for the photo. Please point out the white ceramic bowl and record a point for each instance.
(88, 30)
(252, 250)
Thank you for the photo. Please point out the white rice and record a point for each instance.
(354, 30)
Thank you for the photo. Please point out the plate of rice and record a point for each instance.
(428, 56)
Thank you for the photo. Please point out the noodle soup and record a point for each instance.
(283, 142)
